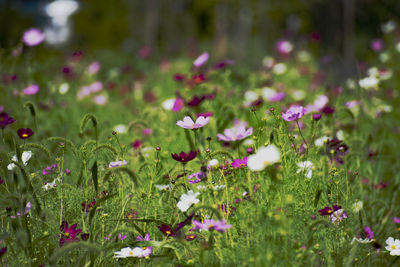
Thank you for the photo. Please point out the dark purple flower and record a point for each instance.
(336, 149)
(195, 101)
(5, 120)
(328, 110)
(368, 232)
(168, 231)
(316, 116)
(85, 236)
(224, 63)
(1, 181)
(2, 251)
(88, 205)
(325, 211)
(24, 133)
(183, 157)
(199, 78)
(239, 163)
(69, 234)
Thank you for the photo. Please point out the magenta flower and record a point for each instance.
(396, 220)
(121, 237)
(368, 232)
(205, 114)
(201, 60)
(115, 164)
(235, 133)
(188, 123)
(32, 89)
(210, 224)
(178, 104)
(377, 45)
(33, 37)
(284, 47)
(294, 113)
(50, 169)
(69, 234)
(239, 163)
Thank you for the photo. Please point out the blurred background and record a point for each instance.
(244, 30)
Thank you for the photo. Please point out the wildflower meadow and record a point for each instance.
(115, 160)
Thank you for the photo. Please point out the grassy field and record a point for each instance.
(263, 182)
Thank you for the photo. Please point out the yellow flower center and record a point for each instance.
(329, 211)
(144, 248)
(168, 232)
(130, 253)
(66, 234)
(24, 135)
(191, 236)
(393, 247)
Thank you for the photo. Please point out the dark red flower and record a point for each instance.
(224, 63)
(183, 157)
(190, 237)
(69, 234)
(197, 79)
(2, 251)
(5, 120)
(166, 230)
(328, 210)
(24, 133)
(204, 114)
(179, 77)
(328, 110)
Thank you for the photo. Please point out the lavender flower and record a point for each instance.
(33, 37)
(294, 113)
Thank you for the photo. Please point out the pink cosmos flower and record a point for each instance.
(277, 97)
(94, 67)
(115, 164)
(201, 60)
(32, 89)
(396, 220)
(100, 100)
(294, 113)
(235, 133)
(210, 224)
(318, 104)
(33, 37)
(188, 123)
(147, 131)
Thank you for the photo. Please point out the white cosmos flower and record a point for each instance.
(163, 187)
(368, 82)
(393, 246)
(120, 128)
(212, 164)
(168, 104)
(306, 167)
(26, 155)
(188, 200)
(128, 252)
(279, 68)
(321, 141)
(357, 206)
(264, 156)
